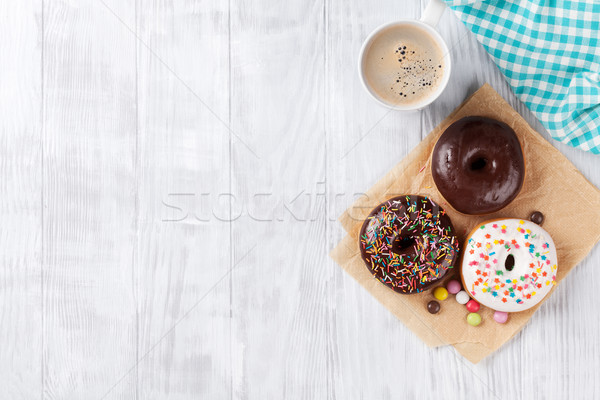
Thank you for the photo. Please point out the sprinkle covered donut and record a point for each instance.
(408, 243)
(509, 265)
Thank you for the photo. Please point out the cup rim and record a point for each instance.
(439, 40)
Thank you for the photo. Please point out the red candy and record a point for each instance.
(472, 306)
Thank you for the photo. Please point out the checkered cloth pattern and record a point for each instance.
(549, 51)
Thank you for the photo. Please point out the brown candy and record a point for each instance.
(433, 307)
(537, 217)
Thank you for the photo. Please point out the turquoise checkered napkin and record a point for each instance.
(549, 52)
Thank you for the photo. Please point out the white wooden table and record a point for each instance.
(171, 172)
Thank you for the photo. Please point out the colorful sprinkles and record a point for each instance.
(408, 243)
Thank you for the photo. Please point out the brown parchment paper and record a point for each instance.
(570, 204)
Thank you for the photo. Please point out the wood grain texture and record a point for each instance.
(183, 245)
(279, 298)
(20, 199)
(89, 105)
(171, 172)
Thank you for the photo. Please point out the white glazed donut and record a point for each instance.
(509, 264)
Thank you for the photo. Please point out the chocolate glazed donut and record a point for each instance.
(477, 165)
(408, 243)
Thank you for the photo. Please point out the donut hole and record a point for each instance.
(405, 244)
(509, 263)
(478, 164)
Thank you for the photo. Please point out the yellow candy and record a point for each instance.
(440, 293)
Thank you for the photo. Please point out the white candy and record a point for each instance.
(462, 297)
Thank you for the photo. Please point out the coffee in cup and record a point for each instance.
(403, 65)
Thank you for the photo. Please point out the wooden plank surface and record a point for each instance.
(171, 175)
(21, 202)
(183, 247)
(90, 331)
(279, 297)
